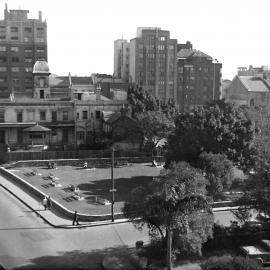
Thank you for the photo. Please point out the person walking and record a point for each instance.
(49, 203)
(75, 219)
(45, 203)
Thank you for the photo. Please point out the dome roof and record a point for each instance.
(41, 66)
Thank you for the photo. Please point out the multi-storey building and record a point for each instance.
(152, 64)
(198, 79)
(121, 59)
(23, 41)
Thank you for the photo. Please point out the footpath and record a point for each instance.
(49, 216)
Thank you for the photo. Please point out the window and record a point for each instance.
(40, 29)
(78, 115)
(15, 69)
(15, 59)
(28, 60)
(28, 80)
(2, 116)
(3, 79)
(40, 49)
(140, 46)
(2, 27)
(171, 47)
(162, 38)
(14, 38)
(41, 94)
(40, 40)
(252, 103)
(2, 37)
(28, 69)
(54, 116)
(80, 135)
(31, 115)
(13, 29)
(3, 48)
(3, 69)
(42, 115)
(84, 115)
(27, 29)
(65, 115)
(97, 114)
(19, 117)
(15, 80)
(14, 49)
(3, 59)
(28, 49)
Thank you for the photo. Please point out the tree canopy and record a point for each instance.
(173, 203)
(218, 128)
(218, 170)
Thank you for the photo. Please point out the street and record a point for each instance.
(26, 240)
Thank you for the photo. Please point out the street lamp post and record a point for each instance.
(113, 189)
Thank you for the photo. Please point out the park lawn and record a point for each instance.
(91, 183)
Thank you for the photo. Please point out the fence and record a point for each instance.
(8, 157)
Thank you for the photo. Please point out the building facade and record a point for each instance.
(23, 41)
(153, 62)
(198, 79)
(121, 59)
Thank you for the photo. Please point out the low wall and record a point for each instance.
(92, 162)
(39, 195)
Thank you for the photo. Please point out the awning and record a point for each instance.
(37, 128)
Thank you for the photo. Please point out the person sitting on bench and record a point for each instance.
(85, 165)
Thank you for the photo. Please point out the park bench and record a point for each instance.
(102, 201)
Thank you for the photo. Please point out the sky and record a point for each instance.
(81, 33)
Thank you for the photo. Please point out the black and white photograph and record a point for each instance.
(134, 135)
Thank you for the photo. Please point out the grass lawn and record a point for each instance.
(91, 183)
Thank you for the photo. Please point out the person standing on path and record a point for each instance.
(49, 203)
(75, 219)
(45, 203)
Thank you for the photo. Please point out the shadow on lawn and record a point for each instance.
(75, 259)
(102, 188)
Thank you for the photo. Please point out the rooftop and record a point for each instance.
(254, 84)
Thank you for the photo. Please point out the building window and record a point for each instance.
(14, 38)
(40, 49)
(28, 49)
(41, 94)
(79, 96)
(3, 69)
(80, 135)
(19, 117)
(78, 115)
(97, 114)
(40, 40)
(2, 37)
(40, 29)
(65, 115)
(3, 48)
(3, 79)
(2, 116)
(15, 69)
(15, 80)
(27, 29)
(28, 69)
(54, 116)
(13, 29)
(3, 59)
(15, 59)
(84, 115)
(140, 46)
(28, 80)
(28, 60)
(42, 115)
(14, 49)
(252, 103)
(31, 115)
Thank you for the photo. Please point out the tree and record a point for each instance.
(173, 204)
(218, 170)
(227, 262)
(155, 127)
(218, 128)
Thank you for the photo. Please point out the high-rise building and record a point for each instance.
(198, 79)
(121, 59)
(153, 62)
(23, 41)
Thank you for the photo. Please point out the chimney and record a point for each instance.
(40, 15)
(98, 91)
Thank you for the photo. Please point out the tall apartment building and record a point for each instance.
(23, 41)
(121, 59)
(198, 79)
(153, 62)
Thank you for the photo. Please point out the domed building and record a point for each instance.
(41, 72)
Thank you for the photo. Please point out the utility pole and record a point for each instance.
(113, 189)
